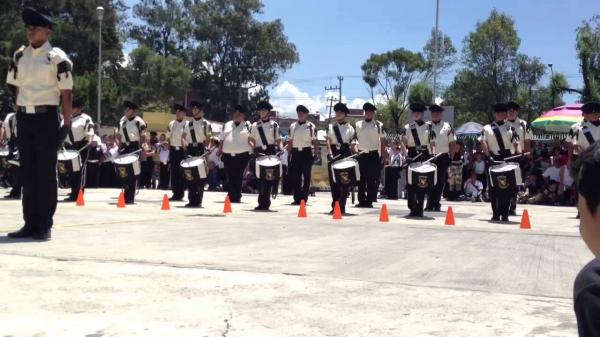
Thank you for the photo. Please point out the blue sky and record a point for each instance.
(334, 37)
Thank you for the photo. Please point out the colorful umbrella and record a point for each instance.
(559, 119)
(469, 129)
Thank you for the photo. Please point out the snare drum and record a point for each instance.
(505, 177)
(127, 166)
(194, 169)
(268, 168)
(69, 161)
(345, 171)
(422, 175)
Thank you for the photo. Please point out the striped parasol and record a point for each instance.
(559, 119)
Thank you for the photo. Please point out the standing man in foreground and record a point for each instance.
(132, 133)
(42, 77)
(178, 147)
(304, 147)
(525, 135)
(197, 133)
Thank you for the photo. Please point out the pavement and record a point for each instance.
(141, 271)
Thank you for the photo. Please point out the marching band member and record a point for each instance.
(131, 133)
(499, 141)
(177, 149)
(525, 134)
(235, 152)
(443, 140)
(339, 136)
(8, 133)
(588, 131)
(370, 141)
(416, 138)
(78, 138)
(265, 137)
(43, 78)
(303, 147)
(197, 134)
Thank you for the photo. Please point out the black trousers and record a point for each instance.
(92, 174)
(163, 179)
(75, 177)
(38, 143)
(339, 192)
(235, 165)
(392, 174)
(265, 187)
(300, 170)
(17, 183)
(129, 186)
(196, 189)
(500, 202)
(287, 184)
(369, 166)
(177, 183)
(435, 195)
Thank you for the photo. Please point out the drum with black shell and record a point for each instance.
(346, 172)
(194, 169)
(422, 176)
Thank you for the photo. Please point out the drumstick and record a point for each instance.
(432, 158)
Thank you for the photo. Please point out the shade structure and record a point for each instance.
(559, 119)
(469, 129)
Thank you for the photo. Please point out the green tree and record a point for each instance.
(421, 93)
(588, 51)
(446, 56)
(528, 73)
(394, 71)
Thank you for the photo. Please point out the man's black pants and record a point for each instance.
(235, 166)
(301, 166)
(435, 195)
(368, 164)
(177, 184)
(38, 143)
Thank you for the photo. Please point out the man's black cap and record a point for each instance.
(500, 107)
(264, 105)
(196, 104)
(369, 107)
(130, 105)
(417, 107)
(513, 106)
(590, 107)
(77, 103)
(302, 108)
(239, 108)
(436, 108)
(179, 107)
(341, 107)
(32, 17)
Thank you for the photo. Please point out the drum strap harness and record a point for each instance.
(499, 139)
(125, 133)
(11, 127)
(588, 135)
(338, 134)
(261, 133)
(193, 133)
(415, 135)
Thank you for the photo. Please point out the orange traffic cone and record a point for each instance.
(121, 202)
(450, 217)
(80, 201)
(302, 210)
(165, 203)
(227, 206)
(337, 211)
(525, 223)
(383, 215)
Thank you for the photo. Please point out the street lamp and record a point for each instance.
(553, 90)
(100, 14)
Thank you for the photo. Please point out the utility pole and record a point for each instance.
(437, 48)
(331, 100)
(553, 89)
(339, 87)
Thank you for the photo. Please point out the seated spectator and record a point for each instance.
(250, 183)
(474, 188)
(552, 195)
(533, 189)
(479, 168)
(552, 173)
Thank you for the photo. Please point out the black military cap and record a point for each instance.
(500, 107)
(239, 108)
(264, 105)
(77, 103)
(590, 107)
(302, 108)
(513, 106)
(196, 104)
(341, 107)
(130, 105)
(31, 17)
(179, 107)
(436, 108)
(369, 107)
(417, 107)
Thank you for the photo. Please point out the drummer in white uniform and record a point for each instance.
(588, 132)
(339, 136)
(303, 147)
(416, 138)
(177, 150)
(442, 143)
(8, 133)
(499, 141)
(264, 135)
(197, 134)
(79, 137)
(523, 130)
(131, 133)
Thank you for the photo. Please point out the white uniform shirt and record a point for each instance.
(368, 135)
(270, 129)
(422, 132)
(82, 127)
(524, 131)
(175, 131)
(441, 135)
(346, 131)
(10, 126)
(489, 137)
(235, 138)
(198, 129)
(573, 131)
(302, 135)
(580, 137)
(40, 74)
(135, 128)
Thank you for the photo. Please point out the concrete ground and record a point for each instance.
(140, 271)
